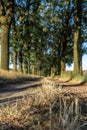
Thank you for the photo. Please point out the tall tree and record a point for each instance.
(77, 35)
(6, 16)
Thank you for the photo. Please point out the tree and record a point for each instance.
(42, 35)
(6, 17)
(77, 36)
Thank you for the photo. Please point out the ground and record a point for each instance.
(9, 93)
(14, 91)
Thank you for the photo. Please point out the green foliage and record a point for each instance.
(43, 32)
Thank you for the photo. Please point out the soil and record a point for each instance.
(12, 92)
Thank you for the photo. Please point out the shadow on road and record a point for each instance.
(13, 91)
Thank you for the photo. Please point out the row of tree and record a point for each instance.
(42, 36)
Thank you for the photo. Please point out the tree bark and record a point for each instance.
(77, 37)
(20, 69)
(76, 53)
(6, 16)
(59, 65)
(25, 66)
(5, 47)
(15, 60)
(62, 65)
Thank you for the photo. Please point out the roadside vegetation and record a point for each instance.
(7, 77)
(15, 77)
(69, 77)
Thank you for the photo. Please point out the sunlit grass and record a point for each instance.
(69, 76)
(10, 74)
(66, 76)
(14, 77)
(78, 79)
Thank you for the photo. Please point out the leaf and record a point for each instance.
(44, 29)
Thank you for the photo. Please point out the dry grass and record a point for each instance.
(9, 74)
(14, 77)
(47, 108)
(63, 77)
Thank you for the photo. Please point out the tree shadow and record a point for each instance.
(8, 81)
(14, 91)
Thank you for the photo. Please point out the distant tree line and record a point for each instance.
(42, 36)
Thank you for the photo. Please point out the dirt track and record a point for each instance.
(12, 92)
(17, 90)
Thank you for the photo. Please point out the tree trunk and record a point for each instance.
(77, 36)
(59, 68)
(5, 47)
(76, 53)
(28, 66)
(53, 71)
(20, 69)
(62, 65)
(15, 60)
(25, 66)
(6, 16)
(33, 69)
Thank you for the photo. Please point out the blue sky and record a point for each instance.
(84, 62)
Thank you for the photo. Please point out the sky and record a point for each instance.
(84, 61)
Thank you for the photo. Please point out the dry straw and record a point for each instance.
(47, 108)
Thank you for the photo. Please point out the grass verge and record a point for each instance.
(7, 77)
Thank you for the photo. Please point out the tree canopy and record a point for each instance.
(42, 36)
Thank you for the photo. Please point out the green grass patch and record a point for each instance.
(78, 78)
